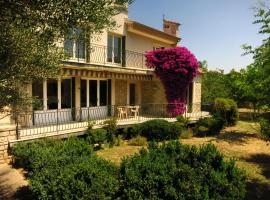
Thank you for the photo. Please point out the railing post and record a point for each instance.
(57, 121)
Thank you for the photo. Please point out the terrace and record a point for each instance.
(33, 125)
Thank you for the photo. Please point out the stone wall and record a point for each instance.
(120, 92)
(7, 133)
(153, 92)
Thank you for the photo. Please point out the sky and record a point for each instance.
(214, 30)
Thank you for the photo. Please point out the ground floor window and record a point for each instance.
(52, 94)
(37, 94)
(94, 93)
(66, 93)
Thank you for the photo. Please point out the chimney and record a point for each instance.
(171, 28)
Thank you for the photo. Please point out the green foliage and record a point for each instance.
(111, 127)
(265, 128)
(182, 120)
(158, 130)
(209, 126)
(175, 171)
(138, 141)
(97, 136)
(227, 110)
(186, 133)
(66, 170)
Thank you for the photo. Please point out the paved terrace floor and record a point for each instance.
(79, 128)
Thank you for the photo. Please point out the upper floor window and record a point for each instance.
(74, 44)
(114, 49)
(155, 47)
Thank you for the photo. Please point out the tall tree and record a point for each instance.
(29, 36)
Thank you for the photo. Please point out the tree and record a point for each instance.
(29, 36)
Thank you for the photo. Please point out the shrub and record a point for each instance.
(67, 170)
(227, 110)
(85, 178)
(209, 126)
(182, 120)
(97, 136)
(265, 128)
(175, 171)
(138, 141)
(36, 155)
(186, 134)
(111, 127)
(158, 130)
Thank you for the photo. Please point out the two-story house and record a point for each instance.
(108, 77)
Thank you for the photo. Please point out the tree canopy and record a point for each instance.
(30, 34)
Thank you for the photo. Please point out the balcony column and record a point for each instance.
(78, 98)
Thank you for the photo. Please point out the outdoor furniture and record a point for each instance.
(135, 110)
(122, 112)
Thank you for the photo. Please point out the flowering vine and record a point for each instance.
(176, 67)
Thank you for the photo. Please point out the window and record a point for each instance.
(52, 102)
(155, 47)
(66, 93)
(132, 94)
(74, 44)
(103, 93)
(114, 49)
(37, 93)
(83, 93)
(93, 93)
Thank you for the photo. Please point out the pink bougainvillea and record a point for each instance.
(176, 67)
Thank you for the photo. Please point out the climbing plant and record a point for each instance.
(176, 67)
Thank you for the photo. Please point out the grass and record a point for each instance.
(240, 142)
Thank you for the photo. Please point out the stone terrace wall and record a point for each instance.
(7, 133)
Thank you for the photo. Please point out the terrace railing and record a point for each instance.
(108, 56)
(36, 123)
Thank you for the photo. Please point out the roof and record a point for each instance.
(147, 31)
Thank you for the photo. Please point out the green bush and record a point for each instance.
(158, 130)
(186, 134)
(34, 156)
(97, 136)
(175, 171)
(84, 178)
(209, 126)
(66, 170)
(227, 110)
(111, 127)
(265, 128)
(138, 141)
(182, 120)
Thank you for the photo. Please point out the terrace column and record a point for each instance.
(59, 93)
(45, 98)
(77, 105)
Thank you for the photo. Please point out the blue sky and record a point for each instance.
(213, 30)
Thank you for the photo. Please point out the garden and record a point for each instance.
(152, 160)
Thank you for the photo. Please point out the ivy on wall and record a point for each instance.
(176, 67)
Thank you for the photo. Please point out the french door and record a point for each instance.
(94, 99)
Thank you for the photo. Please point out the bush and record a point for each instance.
(66, 170)
(97, 136)
(227, 110)
(186, 134)
(87, 178)
(158, 130)
(111, 127)
(209, 126)
(182, 120)
(265, 128)
(175, 171)
(138, 141)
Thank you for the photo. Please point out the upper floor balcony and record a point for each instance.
(105, 56)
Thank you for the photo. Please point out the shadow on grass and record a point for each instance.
(263, 160)
(23, 193)
(257, 190)
(236, 137)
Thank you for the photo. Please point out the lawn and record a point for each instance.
(240, 142)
